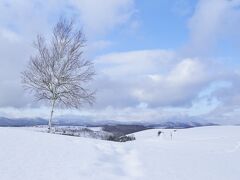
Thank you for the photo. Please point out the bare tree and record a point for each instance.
(58, 73)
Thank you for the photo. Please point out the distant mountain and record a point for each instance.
(105, 123)
(18, 122)
(179, 125)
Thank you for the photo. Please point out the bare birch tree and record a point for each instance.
(58, 73)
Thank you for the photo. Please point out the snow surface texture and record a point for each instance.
(206, 153)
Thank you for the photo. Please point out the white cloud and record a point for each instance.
(156, 87)
(14, 55)
(155, 77)
(103, 16)
(127, 114)
(212, 22)
(9, 35)
(134, 62)
(21, 21)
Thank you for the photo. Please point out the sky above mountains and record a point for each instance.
(155, 61)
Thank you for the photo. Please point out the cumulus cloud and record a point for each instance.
(155, 77)
(167, 89)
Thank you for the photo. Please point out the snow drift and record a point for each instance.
(206, 153)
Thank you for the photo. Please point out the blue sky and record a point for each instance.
(156, 61)
(155, 25)
(160, 26)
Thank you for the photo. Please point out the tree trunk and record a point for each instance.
(51, 117)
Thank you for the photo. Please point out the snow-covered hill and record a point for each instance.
(206, 153)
